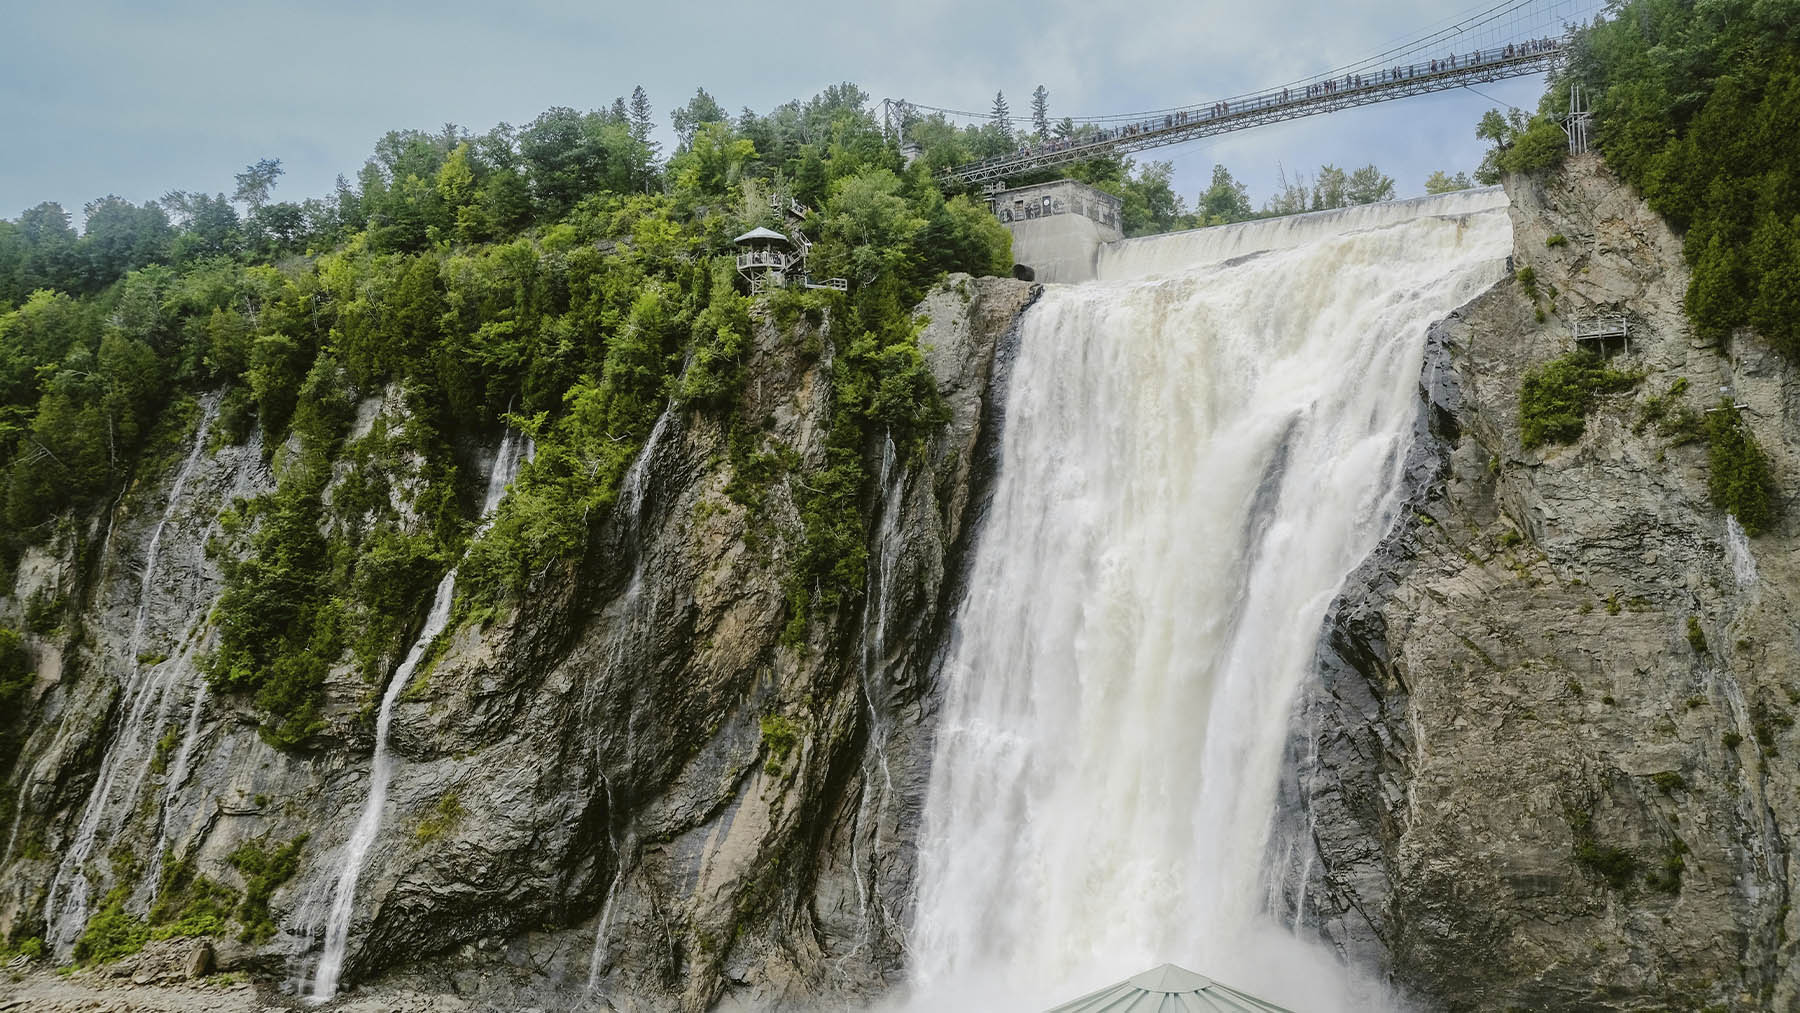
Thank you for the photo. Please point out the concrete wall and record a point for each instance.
(1060, 248)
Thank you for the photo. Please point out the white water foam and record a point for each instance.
(1191, 466)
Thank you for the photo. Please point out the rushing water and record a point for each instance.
(1737, 550)
(633, 616)
(133, 748)
(513, 449)
(1199, 447)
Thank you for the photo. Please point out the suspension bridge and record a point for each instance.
(1513, 38)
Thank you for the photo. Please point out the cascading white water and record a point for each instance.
(66, 906)
(633, 616)
(878, 780)
(513, 449)
(1737, 550)
(1191, 466)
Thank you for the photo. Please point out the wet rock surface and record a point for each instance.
(1521, 783)
(654, 801)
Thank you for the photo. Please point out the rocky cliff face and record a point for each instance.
(1548, 762)
(630, 792)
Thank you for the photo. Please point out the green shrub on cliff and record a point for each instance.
(16, 677)
(1520, 143)
(189, 904)
(1739, 478)
(1555, 397)
(555, 275)
(264, 869)
(112, 932)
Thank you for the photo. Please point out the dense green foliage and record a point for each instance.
(1739, 478)
(1442, 182)
(111, 932)
(560, 276)
(1555, 397)
(264, 869)
(189, 904)
(16, 677)
(1698, 105)
(1521, 143)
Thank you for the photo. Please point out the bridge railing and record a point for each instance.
(1304, 99)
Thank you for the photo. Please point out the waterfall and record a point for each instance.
(1737, 551)
(878, 603)
(513, 449)
(633, 617)
(66, 905)
(1199, 447)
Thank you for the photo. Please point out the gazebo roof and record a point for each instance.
(1169, 989)
(760, 233)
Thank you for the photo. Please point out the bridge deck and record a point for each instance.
(1274, 106)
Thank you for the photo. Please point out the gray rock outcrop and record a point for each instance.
(1522, 782)
(630, 791)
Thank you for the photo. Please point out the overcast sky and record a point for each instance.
(138, 99)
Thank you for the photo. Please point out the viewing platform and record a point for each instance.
(1604, 333)
(769, 260)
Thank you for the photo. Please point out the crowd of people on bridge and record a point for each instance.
(1318, 89)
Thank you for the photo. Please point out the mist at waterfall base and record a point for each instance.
(1198, 448)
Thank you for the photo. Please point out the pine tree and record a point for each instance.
(1002, 115)
(1040, 112)
(640, 116)
(617, 113)
(1065, 128)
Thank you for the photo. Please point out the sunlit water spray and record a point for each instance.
(1199, 448)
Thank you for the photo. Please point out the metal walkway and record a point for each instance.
(1310, 99)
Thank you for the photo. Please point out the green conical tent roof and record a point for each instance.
(1169, 989)
(760, 233)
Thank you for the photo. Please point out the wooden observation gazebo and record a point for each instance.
(769, 260)
(765, 257)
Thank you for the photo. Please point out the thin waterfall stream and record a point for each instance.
(513, 450)
(635, 612)
(1199, 447)
(67, 903)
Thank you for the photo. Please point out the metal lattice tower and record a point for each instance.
(1578, 122)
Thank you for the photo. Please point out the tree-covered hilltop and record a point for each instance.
(1698, 106)
(562, 272)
